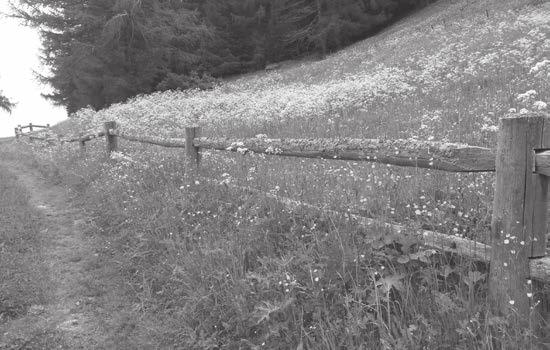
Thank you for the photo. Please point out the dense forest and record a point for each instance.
(103, 51)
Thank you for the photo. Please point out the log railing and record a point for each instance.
(19, 129)
(410, 153)
(517, 250)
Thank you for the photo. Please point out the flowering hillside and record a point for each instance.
(454, 63)
(218, 267)
(446, 73)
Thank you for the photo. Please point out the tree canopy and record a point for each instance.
(104, 51)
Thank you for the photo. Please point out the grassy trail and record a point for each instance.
(80, 290)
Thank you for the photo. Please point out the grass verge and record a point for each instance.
(22, 277)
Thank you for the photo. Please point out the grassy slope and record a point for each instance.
(446, 73)
(212, 267)
(452, 64)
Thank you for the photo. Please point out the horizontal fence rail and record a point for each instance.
(31, 126)
(521, 162)
(444, 156)
(410, 153)
(451, 157)
(158, 141)
(85, 137)
(542, 163)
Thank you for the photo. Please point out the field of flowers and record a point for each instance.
(447, 73)
(216, 268)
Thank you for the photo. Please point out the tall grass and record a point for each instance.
(216, 268)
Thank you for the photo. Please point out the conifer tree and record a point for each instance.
(104, 51)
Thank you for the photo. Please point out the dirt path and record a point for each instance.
(72, 319)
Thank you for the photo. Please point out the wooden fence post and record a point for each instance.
(191, 151)
(16, 133)
(516, 221)
(112, 140)
(30, 131)
(82, 144)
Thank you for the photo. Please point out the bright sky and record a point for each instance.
(19, 51)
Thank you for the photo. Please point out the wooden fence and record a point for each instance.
(519, 266)
(19, 129)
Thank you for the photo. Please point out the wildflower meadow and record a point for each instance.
(212, 266)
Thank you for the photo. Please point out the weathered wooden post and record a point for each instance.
(518, 226)
(16, 133)
(82, 144)
(31, 140)
(192, 152)
(112, 140)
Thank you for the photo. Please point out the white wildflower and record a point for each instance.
(526, 95)
(538, 66)
(540, 105)
(490, 128)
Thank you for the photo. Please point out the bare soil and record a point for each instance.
(87, 306)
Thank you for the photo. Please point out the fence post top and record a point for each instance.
(525, 116)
